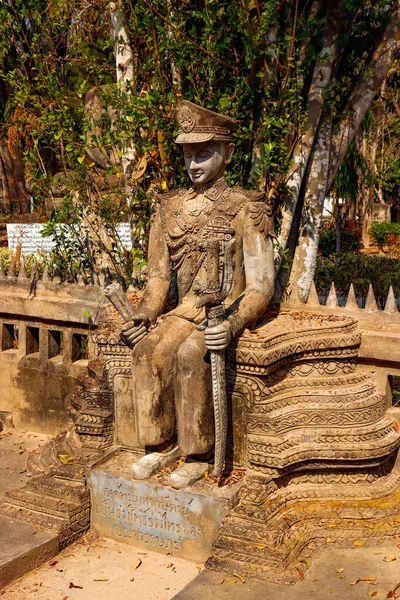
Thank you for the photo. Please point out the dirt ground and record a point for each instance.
(96, 569)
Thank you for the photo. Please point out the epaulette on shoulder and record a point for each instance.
(261, 215)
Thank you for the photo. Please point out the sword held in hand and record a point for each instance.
(212, 296)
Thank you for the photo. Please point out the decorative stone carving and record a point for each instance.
(319, 448)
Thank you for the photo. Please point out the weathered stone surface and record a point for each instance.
(153, 516)
(319, 445)
(21, 550)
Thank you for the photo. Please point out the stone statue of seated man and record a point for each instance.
(171, 364)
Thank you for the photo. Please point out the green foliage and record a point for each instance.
(251, 60)
(350, 239)
(380, 232)
(359, 270)
(352, 173)
(40, 260)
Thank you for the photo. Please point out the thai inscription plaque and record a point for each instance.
(153, 516)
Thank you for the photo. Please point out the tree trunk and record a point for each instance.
(321, 77)
(15, 199)
(305, 257)
(126, 76)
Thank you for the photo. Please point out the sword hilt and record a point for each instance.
(215, 315)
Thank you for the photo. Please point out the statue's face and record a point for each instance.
(207, 160)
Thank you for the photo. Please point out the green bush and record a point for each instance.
(350, 239)
(380, 232)
(359, 270)
(40, 259)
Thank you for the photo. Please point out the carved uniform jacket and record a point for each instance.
(182, 224)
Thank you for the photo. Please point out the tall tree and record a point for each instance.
(298, 75)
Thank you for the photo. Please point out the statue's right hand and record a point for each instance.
(135, 330)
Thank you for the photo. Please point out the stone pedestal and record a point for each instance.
(153, 516)
(312, 429)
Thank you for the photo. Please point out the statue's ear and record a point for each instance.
(229, 152)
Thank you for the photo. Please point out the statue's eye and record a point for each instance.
(204, 155)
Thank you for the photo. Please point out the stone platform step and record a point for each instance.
(68, 525)
(33, 500)
(23, 548)
(37, 519)
(59, 488)
(265, 546)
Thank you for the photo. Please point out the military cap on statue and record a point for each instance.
(197, 124)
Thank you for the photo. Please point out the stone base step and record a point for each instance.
(36, 501)
(20, 550)
(35, 518)
(58, 488)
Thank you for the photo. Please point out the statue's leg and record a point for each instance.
(153, 394)
(194, 409)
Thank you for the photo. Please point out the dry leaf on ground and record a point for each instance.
(390, 558)
(72, 585)
(137, 564)
(66, 459)
(305, 561)
(358, 544)
(363, 579)
(300, 572)
(392, 593)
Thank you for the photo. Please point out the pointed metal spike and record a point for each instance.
(22, 274)
(81, 276)
(391, 305)
(11, 269)
(69, 278)
(351, 302)
(313, 299)
(332, 298)
(46, 276)
(57, 274)
(370, 303)
(34, 272)
(94, 279)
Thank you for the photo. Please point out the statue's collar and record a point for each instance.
(212, 190)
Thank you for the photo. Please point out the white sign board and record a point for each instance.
(29, 235)
(124, 234)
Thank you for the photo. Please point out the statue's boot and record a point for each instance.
(188, 474)
(153, 462)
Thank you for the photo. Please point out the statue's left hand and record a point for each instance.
(218, 337)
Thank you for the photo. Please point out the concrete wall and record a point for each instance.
(44, 345)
